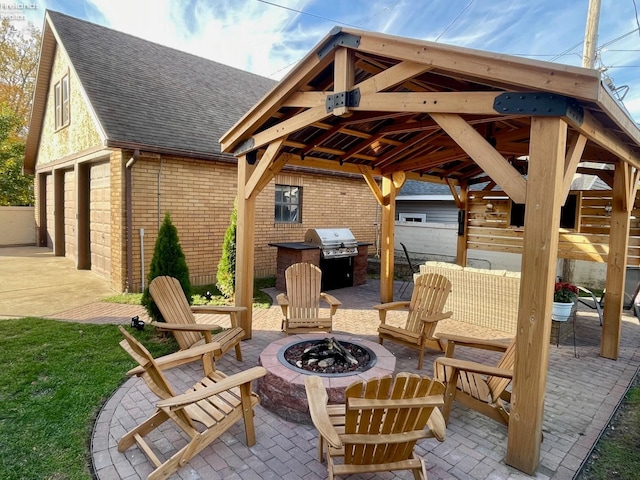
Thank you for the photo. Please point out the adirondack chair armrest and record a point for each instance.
(436, 317)
(191, 327)
(393, 305)
(474, 367)
(232, 311)
(283, 301)
(180, 358)
(437, 425)
(383, 308)
(317, 398)
(485, 344)
(333, 302)
(232, 381)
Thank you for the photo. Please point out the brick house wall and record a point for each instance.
(199, 196)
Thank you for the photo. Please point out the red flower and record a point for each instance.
(565, 292)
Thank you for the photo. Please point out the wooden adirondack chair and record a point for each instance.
(378, 426)
(480, 387)
(204, 412)
(301, 304)
(179, 319)
(430, 293)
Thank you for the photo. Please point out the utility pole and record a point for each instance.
(588, 61)
(591, 34)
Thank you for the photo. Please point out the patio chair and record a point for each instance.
(430, 293)
(301, 304)
(478, 386)
(631, 291)
(203, 413)
(180, 320)
(378, 426)
(408, 279)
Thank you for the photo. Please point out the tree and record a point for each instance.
(168, 259)
(15, 188)
(226, 274)
(18, 67)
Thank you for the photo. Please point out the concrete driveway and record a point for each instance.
(33, 282)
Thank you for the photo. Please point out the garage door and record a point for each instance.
(49, 211)
(100, 219)
(70, 215)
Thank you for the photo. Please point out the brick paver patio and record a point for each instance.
(582, 394)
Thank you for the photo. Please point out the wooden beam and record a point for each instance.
(308, 68)
(456, 198)
(598, 133)
(494, 164)
(391, 77)
(286, 127)
(306, 100)
(540, 247)
(617, 260)
(572, 81)
(373, 186)
(387, 240)
(470, 103)
(343, 76)
(245, 247)
(264, 168)
(398, 177)
(576, 147)
(323, 164)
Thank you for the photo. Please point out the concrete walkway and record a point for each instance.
(582, 392)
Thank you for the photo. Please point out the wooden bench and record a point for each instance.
(484, 302)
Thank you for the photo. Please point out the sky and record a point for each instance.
(268, 37)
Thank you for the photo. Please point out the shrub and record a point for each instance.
(168, 259)
(226, 274)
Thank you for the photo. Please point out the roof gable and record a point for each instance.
(148, 95)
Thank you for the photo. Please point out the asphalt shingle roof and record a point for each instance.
(151, 95)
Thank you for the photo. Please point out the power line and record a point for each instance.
(309, 14)
(455, 19)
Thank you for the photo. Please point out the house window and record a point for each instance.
(61, 98)
(412, 217)
(288, 204)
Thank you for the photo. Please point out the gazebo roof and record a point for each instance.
(501, 92)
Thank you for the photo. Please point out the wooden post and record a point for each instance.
(540, 248)
(622, 204)
(83, 228)
(58, 213)
(387, 235)
(245, 237)
(461, 250)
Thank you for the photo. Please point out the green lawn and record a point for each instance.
(53, 380)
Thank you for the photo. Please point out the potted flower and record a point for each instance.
(564, 296)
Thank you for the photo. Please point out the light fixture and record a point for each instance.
(608, 209)
(489, 207)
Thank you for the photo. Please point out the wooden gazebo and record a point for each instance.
(392, 109)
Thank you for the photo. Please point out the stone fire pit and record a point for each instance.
(282, 390)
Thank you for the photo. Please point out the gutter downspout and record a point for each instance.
(129, 205)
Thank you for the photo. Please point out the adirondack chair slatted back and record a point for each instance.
(303, 282)
(497, 385)
(371, 410)
(153, 376)
(172, 303)
(430, 293)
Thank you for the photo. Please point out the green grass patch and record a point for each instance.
(54, 378)
(617, 453)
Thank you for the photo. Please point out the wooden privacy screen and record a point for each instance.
(494, 223)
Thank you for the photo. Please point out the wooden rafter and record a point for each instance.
(484, 155)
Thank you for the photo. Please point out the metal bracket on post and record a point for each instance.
(244, 146)
(539, 104)
(343, 99)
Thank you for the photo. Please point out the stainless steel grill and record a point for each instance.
(333, 242)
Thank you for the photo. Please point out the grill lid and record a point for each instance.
(333, 242)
